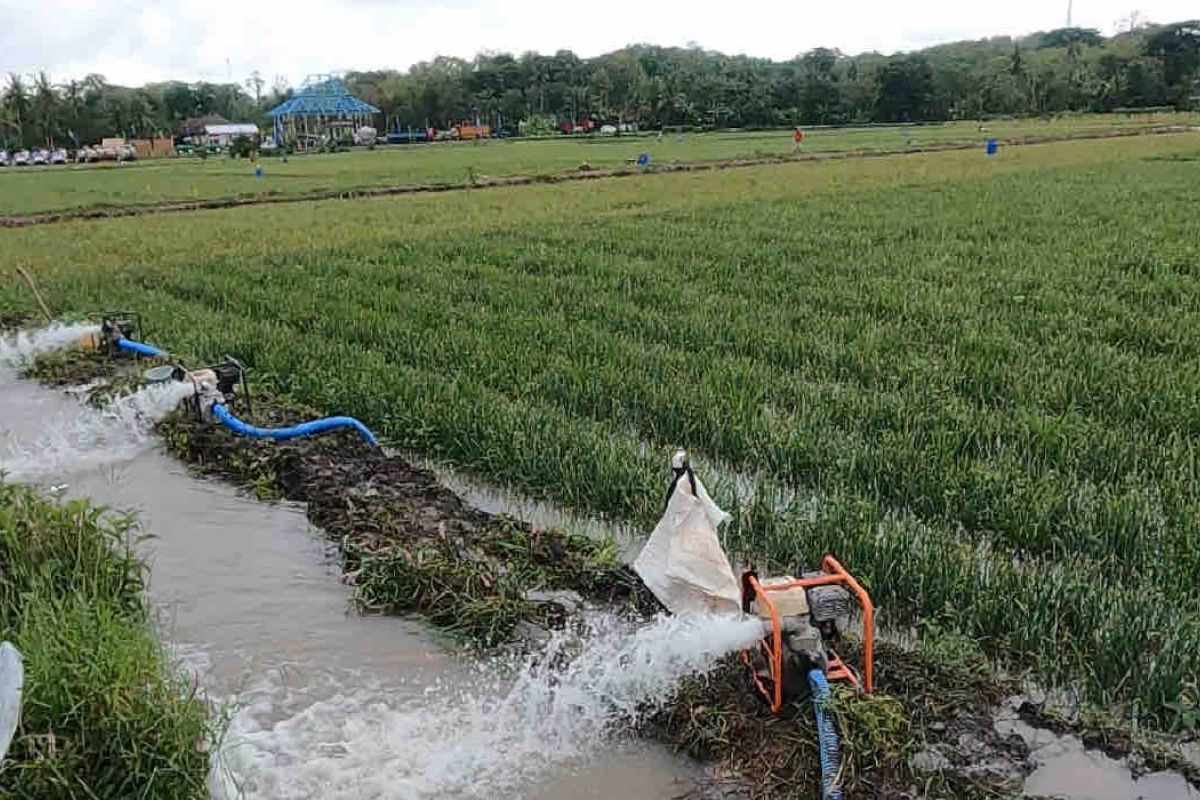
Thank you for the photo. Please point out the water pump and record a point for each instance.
(215, 384)
(804, 618)
(116, 326)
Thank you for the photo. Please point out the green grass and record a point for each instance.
(973, 379)
(102, 714)
(30, 190)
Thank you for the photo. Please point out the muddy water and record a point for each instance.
(1062, 767)
(325, 703)
(540, 513)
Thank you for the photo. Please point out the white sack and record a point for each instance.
(12, 677)
(683, 563)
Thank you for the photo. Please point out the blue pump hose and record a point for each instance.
(150, 351)
(296, 431)
(826, 736)
(276, 434)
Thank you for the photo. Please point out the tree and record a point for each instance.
(1063, 69)
(16, 106)
(906, 91)
(255, 83)
(45, 108)
(1177, 47)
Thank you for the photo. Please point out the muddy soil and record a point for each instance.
(927, 732)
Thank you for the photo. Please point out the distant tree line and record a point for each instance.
(1070, 69)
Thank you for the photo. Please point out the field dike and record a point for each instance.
(409, 545)
(581, 174)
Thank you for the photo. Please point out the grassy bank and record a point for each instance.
(103, 716)
(32, 190)
(972, 379)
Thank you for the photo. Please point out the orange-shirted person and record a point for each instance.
(797, 138)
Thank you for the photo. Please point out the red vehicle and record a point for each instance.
(582, 126)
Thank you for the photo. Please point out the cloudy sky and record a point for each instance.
(135, 41)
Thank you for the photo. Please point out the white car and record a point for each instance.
(40, 156)
(58, 156)
(20, 158)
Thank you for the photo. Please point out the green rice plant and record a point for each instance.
(974, 380)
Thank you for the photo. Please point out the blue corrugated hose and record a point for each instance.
(304, 429)
(141, 349)
(827, 740)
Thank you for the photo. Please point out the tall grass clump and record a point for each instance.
(103, 714)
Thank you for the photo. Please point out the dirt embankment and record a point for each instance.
(410, 545)
(489, 182)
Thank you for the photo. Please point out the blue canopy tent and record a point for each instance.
(323, 109)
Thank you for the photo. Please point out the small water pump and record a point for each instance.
(804, 617)
(115, 326)
(214, 384)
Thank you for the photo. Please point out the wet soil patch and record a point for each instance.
(1143, 754)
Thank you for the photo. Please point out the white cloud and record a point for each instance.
(134, 41)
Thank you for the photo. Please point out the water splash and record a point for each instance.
(74, 437)
(483, 741)
(19, 348)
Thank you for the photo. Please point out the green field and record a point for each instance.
(974, 379)
(32, 190)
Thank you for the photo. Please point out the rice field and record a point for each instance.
(973, 379)
(34, 190)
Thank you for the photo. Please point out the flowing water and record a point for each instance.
(326, 703)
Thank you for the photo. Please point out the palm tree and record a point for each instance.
(16, 105)
(45, 108)
(74, 107)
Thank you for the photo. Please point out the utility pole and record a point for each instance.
(1070, 4)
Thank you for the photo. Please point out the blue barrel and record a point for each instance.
(991, 147)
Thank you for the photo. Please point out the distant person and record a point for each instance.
(797, 138)
(660, 134)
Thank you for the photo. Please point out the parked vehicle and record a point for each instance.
(408, 137)
(20, 158)
(58, 156)
(366, 135)
(40, 157)
(108, 150)
(3, 158)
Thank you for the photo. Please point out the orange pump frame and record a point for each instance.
(772, 644)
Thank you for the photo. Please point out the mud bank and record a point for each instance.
(407, 544)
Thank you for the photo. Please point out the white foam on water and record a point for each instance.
(36, 444)
(17, 349)
(493, 739)
(75, 437)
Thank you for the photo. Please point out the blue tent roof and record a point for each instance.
(328, 98)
